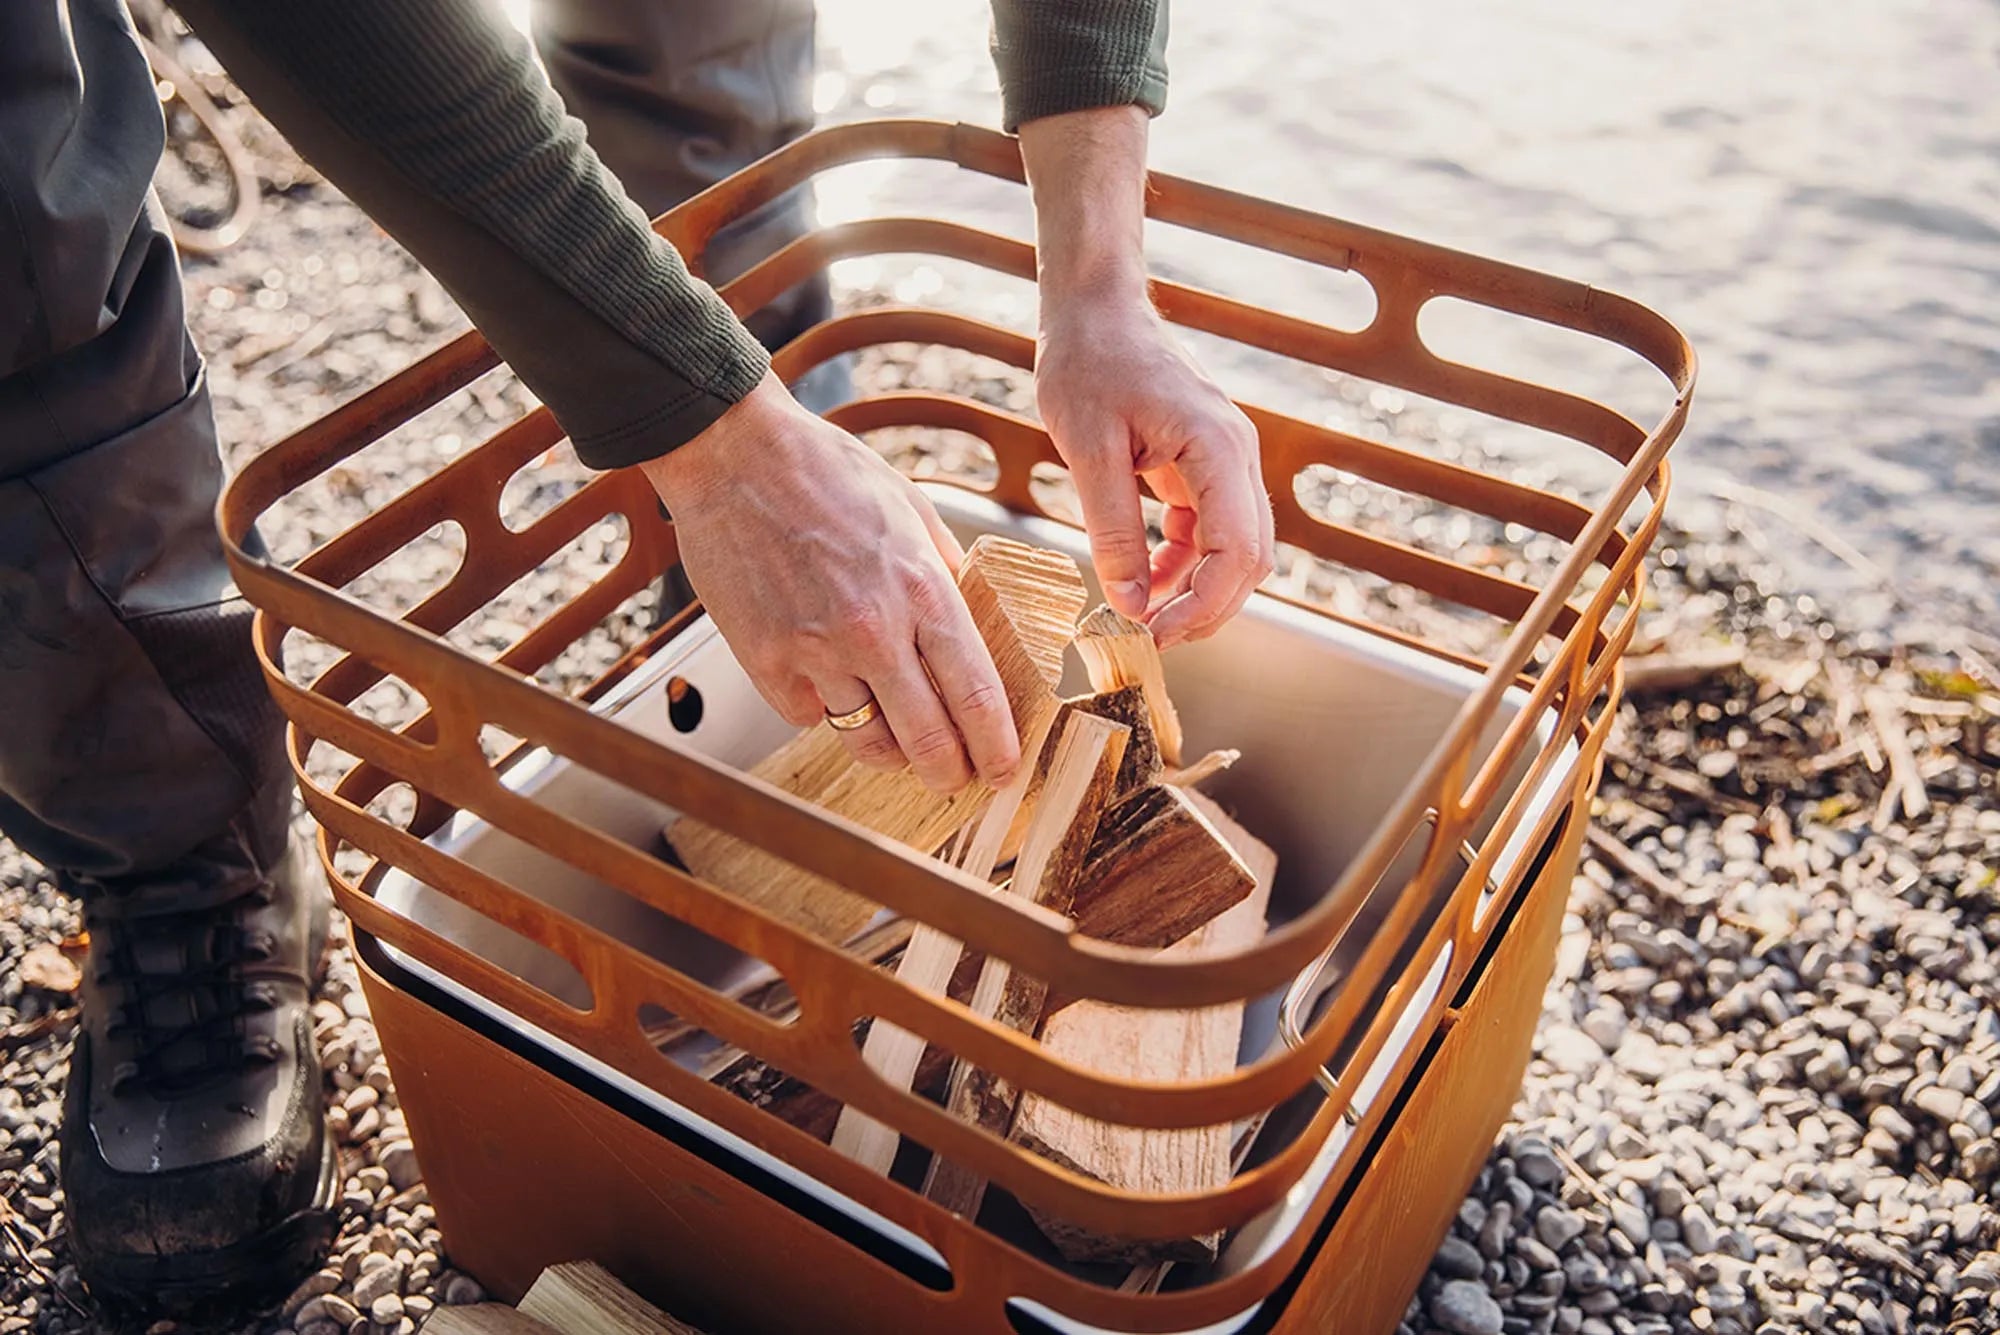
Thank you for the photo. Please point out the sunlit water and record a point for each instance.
(1810, 190)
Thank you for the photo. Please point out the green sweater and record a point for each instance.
(434, 117)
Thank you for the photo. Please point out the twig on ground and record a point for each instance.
(1628, 860)
(1906, 782)
(1678, 671)
(1580, 1175)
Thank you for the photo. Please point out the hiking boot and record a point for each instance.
(199, 1180)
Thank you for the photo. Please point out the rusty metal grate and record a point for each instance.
(1580, 618)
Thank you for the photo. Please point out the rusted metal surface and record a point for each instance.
(1581, 625)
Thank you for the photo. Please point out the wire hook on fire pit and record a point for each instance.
(1308, 988)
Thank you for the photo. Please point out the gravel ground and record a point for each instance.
(1764, 1089)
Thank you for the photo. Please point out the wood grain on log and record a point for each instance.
(484, 1319)
(1081, 778)
(1024, 601)
(1157, 870)
(1118, 651)
(1150, 1045)
(928, 964)
(582, 1296)
(1142, 765)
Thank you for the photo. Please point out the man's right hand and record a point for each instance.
(831, 576)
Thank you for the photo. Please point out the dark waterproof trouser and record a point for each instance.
(133, 722)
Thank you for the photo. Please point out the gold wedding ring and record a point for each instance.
(854, 718)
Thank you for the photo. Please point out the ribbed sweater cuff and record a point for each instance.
(677, 420)
(1057, 56)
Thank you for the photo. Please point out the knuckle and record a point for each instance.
(934, 746)
(878, 751)
(863, 634)
(930, 596)
(861, 619)
(984, 700)
(1120, 544)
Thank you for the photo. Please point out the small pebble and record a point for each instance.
(1463, 1307)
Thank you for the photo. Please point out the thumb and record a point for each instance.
(1108, 488)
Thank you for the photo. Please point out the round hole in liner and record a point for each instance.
(683, 704)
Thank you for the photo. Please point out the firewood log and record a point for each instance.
(1024, 601)
(1150, 1045)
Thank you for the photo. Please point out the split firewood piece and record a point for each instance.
(1198, 773)
(1140, 767)
(1157, 871)
(927, 965)
(1081, 778)
(582, 1296)
(806, 1106)
(1150, 1045)
(1118, 651)
(1158, 868)
(484, 1319)
(1149, 1277)
(1127, 707)
(1024, 601)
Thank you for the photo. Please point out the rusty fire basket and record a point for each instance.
(1411, 972)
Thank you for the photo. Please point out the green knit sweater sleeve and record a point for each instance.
(436, 119)
(1070, 55)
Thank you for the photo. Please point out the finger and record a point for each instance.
(1174, 559)
(922, 725)
(873, 743)
(1108, 490)
(1229, 536)
(966, 679)
(793, 697)
(942, 537)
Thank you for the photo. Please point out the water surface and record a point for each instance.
(1810, 190)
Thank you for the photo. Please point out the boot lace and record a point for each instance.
(182, 994)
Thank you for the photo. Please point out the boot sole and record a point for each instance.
(222, 1287)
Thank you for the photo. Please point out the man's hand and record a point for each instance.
(1123, 401)
(831, 577)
